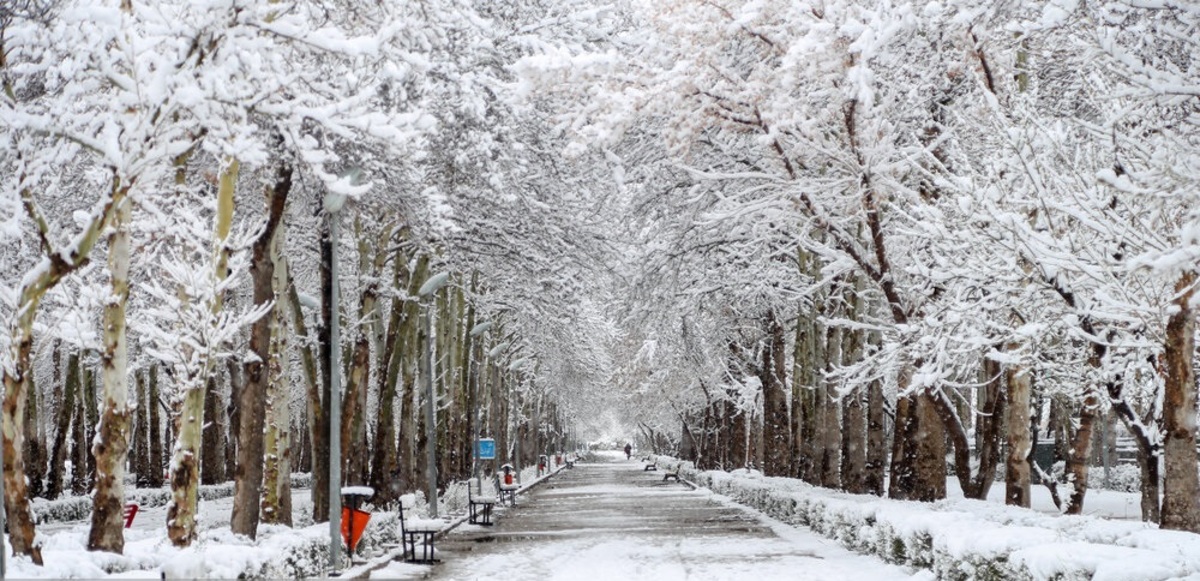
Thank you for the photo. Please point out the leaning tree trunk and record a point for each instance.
(248, 476)
(18, 375)
(1181, 486)
(383, 462)
(974, 485)
(185, 460)
(111, 444)
(51, 268)
(372, 254)
(314, 410)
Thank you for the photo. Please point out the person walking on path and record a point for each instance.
(628, 450)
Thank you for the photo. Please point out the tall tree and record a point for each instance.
(252, 398)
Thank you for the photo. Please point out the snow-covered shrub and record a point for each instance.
(966, 539)
(279, 553)
(75, 508)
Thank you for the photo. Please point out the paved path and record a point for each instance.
(612, 520)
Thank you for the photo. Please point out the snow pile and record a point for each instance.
(959, 539)
(279, 553)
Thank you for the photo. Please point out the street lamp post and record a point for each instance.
(425, 293)
(350, 182)
(473, 382)
(333, 204)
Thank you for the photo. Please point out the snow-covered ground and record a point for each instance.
(789, 527)
(613, 521)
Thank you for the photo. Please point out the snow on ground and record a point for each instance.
(954, 539)
(614, 521)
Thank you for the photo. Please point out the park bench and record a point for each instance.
(672, 472)
(130, 511)
(507, 485)
(414, 531)
(480, 504)
(651, 464)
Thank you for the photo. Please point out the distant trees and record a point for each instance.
(833, 241)
(980, 234)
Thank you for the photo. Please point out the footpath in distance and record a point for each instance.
(612, 520)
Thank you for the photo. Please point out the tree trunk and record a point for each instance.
(931, 448)
(66, 407)
(777, 437)
(919, 449)
(212, 452)
(901, 481)
(55, 264)
(185, 466)
(410, 410)
(384, 466)
(1020, 446)
(112, 441)
(797, 402)
(80, 476)
(314, 408)
(1081, 452)
(141, 442)
(876, 461)
(34, 446)
(988, 428)
(155, 429)
(248, 476)
(277, 488)
(854, 421)
(192, 383)
(831, 420)
(1181, 486)
(321, 433)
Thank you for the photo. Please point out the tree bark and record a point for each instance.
(66, 407)
(51, 268)
(79, 439)
(34, 447)
(185, 460)
(141, 442)
(777, 437)
(876, 461)
(212, 452)
(384, 461)
(1181, 486)
(155, 430)
(277, 489)
(112, 441)
(1020, 446)
(248, 476)
(831, 420)
(314, 408)
(185, 467)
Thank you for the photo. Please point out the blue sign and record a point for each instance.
(487, 449)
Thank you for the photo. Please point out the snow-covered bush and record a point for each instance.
(962, 539)
(80, 507)
(279, 553)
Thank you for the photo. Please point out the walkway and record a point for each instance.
(612, 520)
